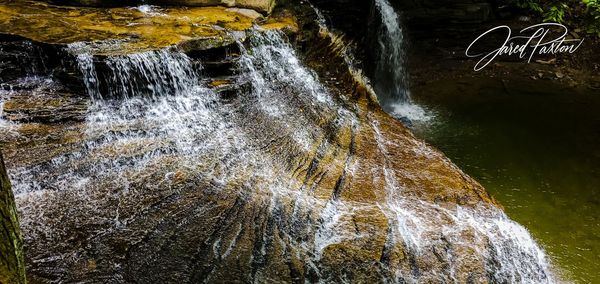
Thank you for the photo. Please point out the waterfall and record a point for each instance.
(274, 68)
(390, 66)
(153, 108)
(461, 236)
(150, 74)
(158, 142)
(390, 78)
(483, 235)
(2, 120)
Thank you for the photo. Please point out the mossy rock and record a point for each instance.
(12, 264)
(129, 29)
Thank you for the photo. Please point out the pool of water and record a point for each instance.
(535, 146)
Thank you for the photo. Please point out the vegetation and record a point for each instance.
(582, 14)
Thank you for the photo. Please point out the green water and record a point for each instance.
(535, 146)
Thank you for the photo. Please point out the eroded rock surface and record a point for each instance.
(127, 30)
(247, 162)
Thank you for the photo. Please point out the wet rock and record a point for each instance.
(209, 43)
(20, 58)
(127, 30)
(96, 3)
(264, 6)
(298, 213)
(45, 107)
(261, 173)
(246, 12)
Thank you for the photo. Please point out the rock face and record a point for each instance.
(242, 162)
(12, 264)
(263, 6)
(129, 29)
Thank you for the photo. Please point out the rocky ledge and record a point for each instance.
(132, 29)
(263, 6)
(274, 162)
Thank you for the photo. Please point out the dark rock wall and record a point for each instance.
(428, 25)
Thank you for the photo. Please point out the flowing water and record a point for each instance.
(390, 78)
(155, 133)
(535, 148)
(390, 72)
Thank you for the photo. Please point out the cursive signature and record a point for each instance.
(537, 43)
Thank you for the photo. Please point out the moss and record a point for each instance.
(284, 22)
(135, 30)
(219, 82)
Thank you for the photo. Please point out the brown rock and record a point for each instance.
(264, 6)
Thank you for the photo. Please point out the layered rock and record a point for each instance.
(303, 198)
(263, 6)
(238, 163)
(127, 30)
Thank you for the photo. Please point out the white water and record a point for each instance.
(150, 74)
(162, 112)
(411, 111)
(480, 236)
(391, 79)
(150, 10)
(36, 84)
(321, 21)
(272, 65)
(156, 118)
(3, 122)
(391, 53)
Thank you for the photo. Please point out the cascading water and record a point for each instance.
(162, 156)
(468, 236)
(23, 62)
(151, 108)
(2, 121)
(149, 74)
(390, 69)
(390, 77)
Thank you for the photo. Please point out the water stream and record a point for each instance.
(155, 133)
(390, 78)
